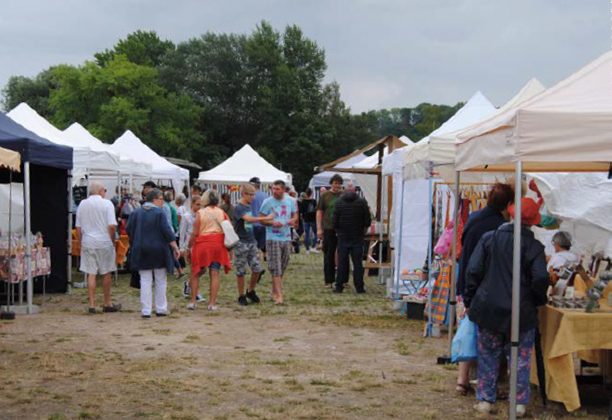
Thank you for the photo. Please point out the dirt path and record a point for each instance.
(321, 356)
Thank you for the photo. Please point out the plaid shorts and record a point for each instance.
(246, 255)
(278, 256)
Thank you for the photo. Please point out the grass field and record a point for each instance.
(321, 356)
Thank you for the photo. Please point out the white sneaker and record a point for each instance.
(213, 308)
(521, 409)
(483, 407)
(315, 251)
(191, 306)
(200, 298)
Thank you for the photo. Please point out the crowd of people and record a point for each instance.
(168, 233)
(179, 234)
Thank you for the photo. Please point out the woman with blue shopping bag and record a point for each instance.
(488, 297)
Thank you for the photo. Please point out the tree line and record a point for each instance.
(204, 98)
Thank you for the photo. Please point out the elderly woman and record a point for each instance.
(488, 299)
(207, 248)
(563, 257)
(153, 251)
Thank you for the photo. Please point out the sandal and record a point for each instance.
(464, 389)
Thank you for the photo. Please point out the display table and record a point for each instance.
(565, 331)
(41, 264)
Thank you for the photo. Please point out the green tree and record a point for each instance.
(140, 47)
(35, 91)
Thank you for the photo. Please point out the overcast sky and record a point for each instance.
(384, 53)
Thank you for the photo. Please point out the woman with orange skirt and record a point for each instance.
(208, 248)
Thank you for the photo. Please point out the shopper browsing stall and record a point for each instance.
(488, 299)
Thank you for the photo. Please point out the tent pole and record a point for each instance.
(69, 268)
(383, 196)
(28, 239)
(400, 243)
(428, 330)
(516, 289)
(453, 284)
(9, 285)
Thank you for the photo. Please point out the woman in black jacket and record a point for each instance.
(488, 299)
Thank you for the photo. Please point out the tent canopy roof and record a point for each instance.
(79, 134)
(438, 147)
(131, 146)
(32, 147)
(10, 159)
(243, 165)
(566, 127)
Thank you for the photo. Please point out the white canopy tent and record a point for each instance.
(130, 146)
(435, 149)
(131, 171)
(86, 160)
(565, 128)
(243, 165)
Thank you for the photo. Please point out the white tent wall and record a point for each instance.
(16, 207)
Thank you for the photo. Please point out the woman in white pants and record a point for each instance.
(152, 245)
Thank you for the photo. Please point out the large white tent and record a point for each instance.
(243, 165)
(564, 128)
(79, 134)
(131, 146)
(86, 161)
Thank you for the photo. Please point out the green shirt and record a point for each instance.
(327, 204)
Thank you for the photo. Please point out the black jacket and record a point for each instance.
(488, 292)
(351, 216)
(479, 223)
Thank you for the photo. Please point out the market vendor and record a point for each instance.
(563, 257)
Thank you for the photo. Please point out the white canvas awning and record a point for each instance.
(565, 128)
(85, 160)
(243, 165)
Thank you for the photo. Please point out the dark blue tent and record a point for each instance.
(49, 164)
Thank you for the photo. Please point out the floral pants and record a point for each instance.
(491, 344)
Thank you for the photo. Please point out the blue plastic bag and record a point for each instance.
(465, 346)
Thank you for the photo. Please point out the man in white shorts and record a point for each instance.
(96, 226)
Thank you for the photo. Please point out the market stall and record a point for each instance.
(45, 175)
(564, 129)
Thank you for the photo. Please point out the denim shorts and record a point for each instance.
(214, 266)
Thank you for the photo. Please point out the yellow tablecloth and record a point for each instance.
(565, 331)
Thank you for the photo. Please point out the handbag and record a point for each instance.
(465, 347)
(230, 237)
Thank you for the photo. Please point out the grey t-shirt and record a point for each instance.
(243, 228)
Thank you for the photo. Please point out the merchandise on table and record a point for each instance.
(40, 256)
